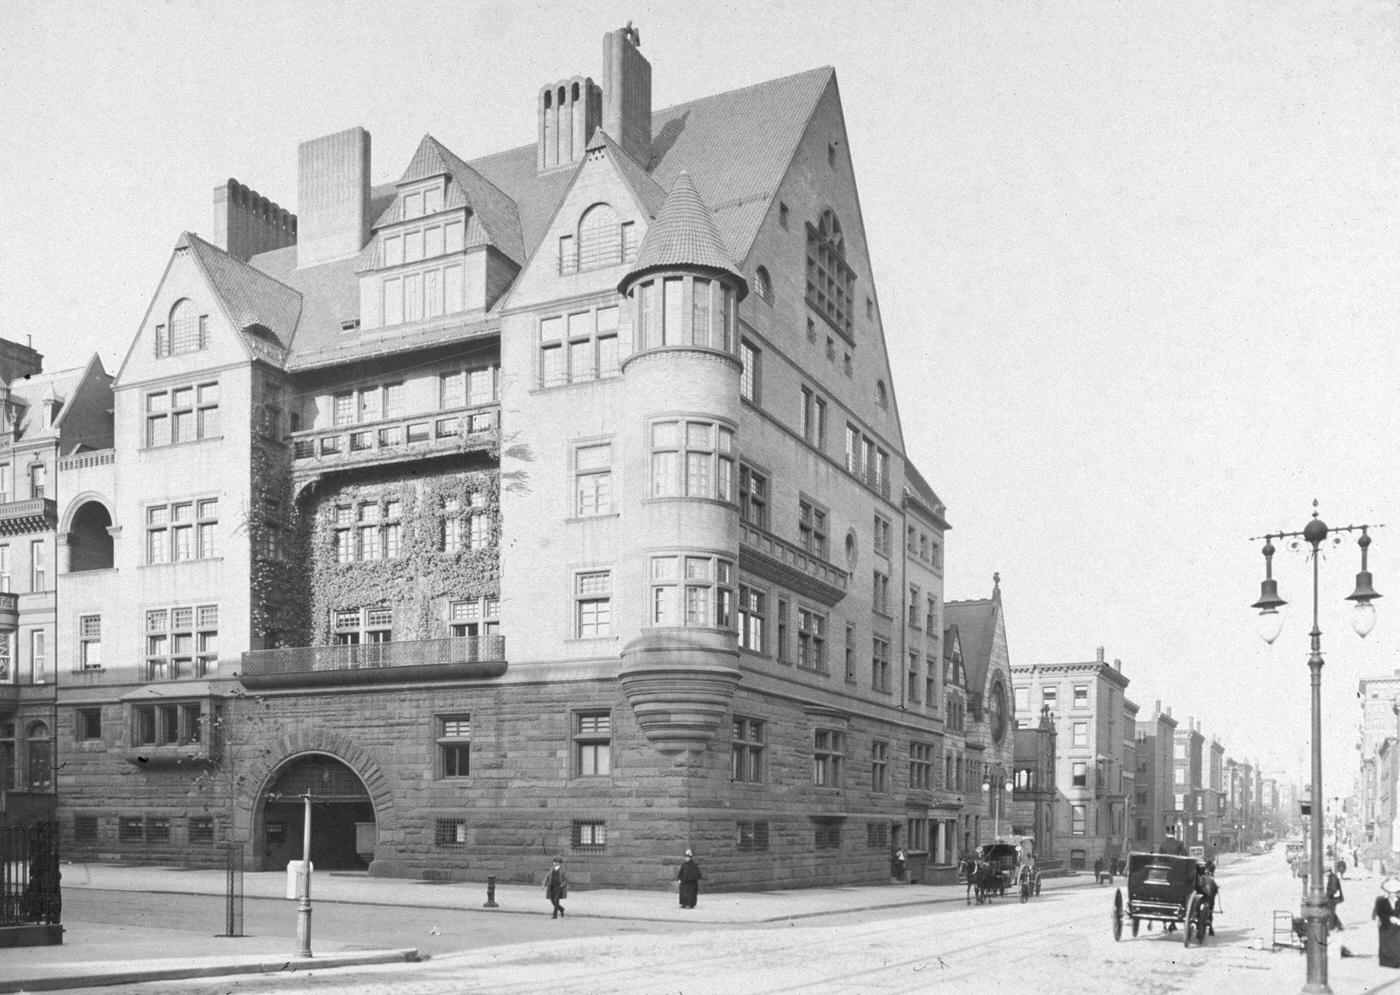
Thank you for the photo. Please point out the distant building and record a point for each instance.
(1155, 800)
(1033, 805)
(1194, 801)
(1374, 804)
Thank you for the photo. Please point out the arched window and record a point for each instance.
(599, 238)
(830, 282)
(186, 331)
(882, 396)
(763, 285)
(39, 756)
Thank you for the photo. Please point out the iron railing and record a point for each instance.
(344, 444)
(29, 874)
(457, 656)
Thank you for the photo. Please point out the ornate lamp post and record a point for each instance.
(1314, 534)
(994, 800)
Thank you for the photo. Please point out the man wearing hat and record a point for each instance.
(689, 876)
(1172, 845)
(556, 886)
(1386, 912)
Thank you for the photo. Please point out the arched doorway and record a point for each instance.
(89, 541)
(342, 815)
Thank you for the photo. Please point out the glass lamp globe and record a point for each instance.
(1270, 624)
(1363, 618)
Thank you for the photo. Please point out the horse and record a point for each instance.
(967, 869)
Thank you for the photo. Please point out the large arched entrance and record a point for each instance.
(342, 815)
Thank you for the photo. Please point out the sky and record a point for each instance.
(1137, 266)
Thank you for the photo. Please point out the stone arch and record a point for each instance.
(86, 533)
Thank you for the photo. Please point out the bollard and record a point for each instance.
(490, 893)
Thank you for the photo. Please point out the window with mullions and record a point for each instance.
(454, 741)
(38, 757)
(368, 530)
(753, 497)
(472, 619)
(182, 414)
(828, 752)
(921, 760)
(690, 590)
(751, 380)
(830, 281)
(692, 459)
(827, 836)
(467, 388)
(186, 331)
(746, 750)
(879, 766)
(813, 418)
(592, 744)
(466, 527)
(811, 527)
(182, 642)
(367, 404)
(589, 835)
(811, 640)
(880, 664)
(449, 834)
(750, 837)
(592, 604)
(683, 311)
(882, 536)
(353, 626)
(753, 614)
(593, 490)
(182, 530)
(172, 724)
(579, 346)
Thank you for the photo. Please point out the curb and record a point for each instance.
(278, 965)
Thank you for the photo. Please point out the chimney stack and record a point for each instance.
(569, 111)
(627, 93)
(1099, 654)
(1117, 664)
(246, 222)
(333, 197)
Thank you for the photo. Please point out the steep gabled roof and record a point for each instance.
(649, 193)
(248, 295)
(684, 234)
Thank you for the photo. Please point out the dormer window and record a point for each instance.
(602, 241)
(425, 200)
(186, 330)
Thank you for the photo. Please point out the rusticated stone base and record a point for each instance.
(680, 684)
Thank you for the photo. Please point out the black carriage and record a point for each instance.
(1163, 888)
(996, 870)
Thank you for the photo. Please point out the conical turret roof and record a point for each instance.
(684, 235)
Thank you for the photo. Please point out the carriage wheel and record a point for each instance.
(981, 895)
(1136, 923)
(1118, 915)
(1193, 912)
(1037, 884)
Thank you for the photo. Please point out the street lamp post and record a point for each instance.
(304, 896)
(994, 800)
(1314, 534)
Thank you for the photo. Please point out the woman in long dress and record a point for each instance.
(1386, 912)
(689, 876)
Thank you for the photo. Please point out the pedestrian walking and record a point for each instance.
(689, 875)
(1386, 912)
(1334, 898)
(1098, 871)
(556, 886)
(897, 865)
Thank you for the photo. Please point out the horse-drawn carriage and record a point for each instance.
(1001, 866)
(1163, 888)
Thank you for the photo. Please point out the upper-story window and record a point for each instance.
(763, 285)
(882, 395)
(182, 414)
(679, 311)
(186, 330)
(38, 479)
(578, 346)
(830, 281)
(692, 458)
(692, 590)
(602, 241)
(426, 200)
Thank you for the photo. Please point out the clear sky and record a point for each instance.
(1137, 264)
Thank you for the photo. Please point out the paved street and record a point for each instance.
(1059, 942)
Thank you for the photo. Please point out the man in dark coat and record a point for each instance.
(689, 876)
(1334, 898)
(1172, 845)
(556, 886)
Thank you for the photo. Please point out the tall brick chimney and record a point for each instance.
(568, 112)
(627, 92)
(332, 197)
(246, 222)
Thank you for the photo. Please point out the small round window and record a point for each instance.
(851, 547)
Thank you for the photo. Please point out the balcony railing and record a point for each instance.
(788, 564)
(371, 442)
(453, 659)
(82, 461)
(32, 515)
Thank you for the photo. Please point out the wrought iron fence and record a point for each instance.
(29, 874)
(233, 890)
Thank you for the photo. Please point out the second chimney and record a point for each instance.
(627, 93)
(332, 197)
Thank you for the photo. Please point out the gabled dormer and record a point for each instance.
(449, 243)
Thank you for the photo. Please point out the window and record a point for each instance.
(1077, 820)
(5, 577)
(589, 835)
(877, 834)
(38, 566)
(813, 418)
(753, 605)
(87, 724)
(84, 829)
(913, 679)
(369, 530)
(577, 347)
(454, 745)
(39, 754)
(181, 642)
(762, 285)
(882, 394)
(883, 535)
(1081, 696)
(879, 766)
(915, 603)
(593, 479)
(930, 619)
(7, 652)
(931, 681)
(449, 834)
(692, 459)
(38, 479)
(1080, 734)
(182, 414)
(38, 656)
(353, 626)
(811, 527)
(200, 829)
(751, 837)
(782, 214)
(1179, 751)
(850, 653)
(131, 829)
(828, 748)
(173, 724)
(916, 834)
(183, 530)
(468, 528)
(592, 604)
(1049, 697)
(880, 664)
(781, 651)
(185, 331)
(692, 591)
(1079, 777)
(600, 241)
(827, 836)
(7, 756)
(1022, 698)
(811, 640)
(750, 381)
(475, 618)
(5, 493)
(592, 744)
(880, 593)
(1179, 775)
(921, 760)
(747, 750)
(830, 282)
(753, 497)
(469, 387)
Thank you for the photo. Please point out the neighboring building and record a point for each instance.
(47, 421)
(1155, 800)
(1190, 770)
(1376, 786)
(549, 500)
(1086, 699)
(1033, 804)
(1216, 797)
(980, 628)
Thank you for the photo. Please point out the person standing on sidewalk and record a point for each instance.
(689, 876)
(1334, 898)
(556, 886)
